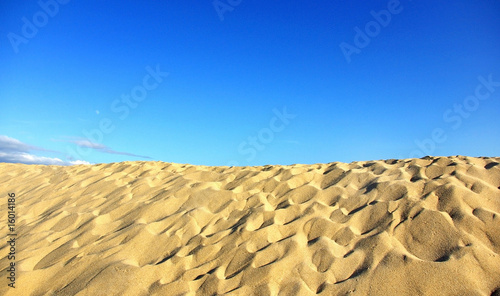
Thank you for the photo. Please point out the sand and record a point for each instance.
(427, 226)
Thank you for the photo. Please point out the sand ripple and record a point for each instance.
(427, 226)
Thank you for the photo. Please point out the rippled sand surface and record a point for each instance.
(426, 226)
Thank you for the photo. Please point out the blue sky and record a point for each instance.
(247, 82)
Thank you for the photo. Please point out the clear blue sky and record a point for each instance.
(67, 69)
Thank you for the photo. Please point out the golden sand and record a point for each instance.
(426, 226)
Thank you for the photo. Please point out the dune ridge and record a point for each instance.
(428, 226)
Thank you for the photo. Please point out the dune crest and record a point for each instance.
(427, 226)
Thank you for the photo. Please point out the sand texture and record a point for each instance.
(427, 226)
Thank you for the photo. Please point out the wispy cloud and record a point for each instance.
(11, 144)
(84, 143)
(26, 158)
(88, 144)
(15, 151)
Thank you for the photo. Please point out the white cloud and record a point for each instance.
(84, 143)
(26, 158)
(87, 144)
(11, 144)
(15, 151)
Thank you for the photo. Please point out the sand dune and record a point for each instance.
(426, 226)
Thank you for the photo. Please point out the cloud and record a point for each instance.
(84, 143)
(11, 144)
(87, 144)
(15, 151)
(26, 158)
